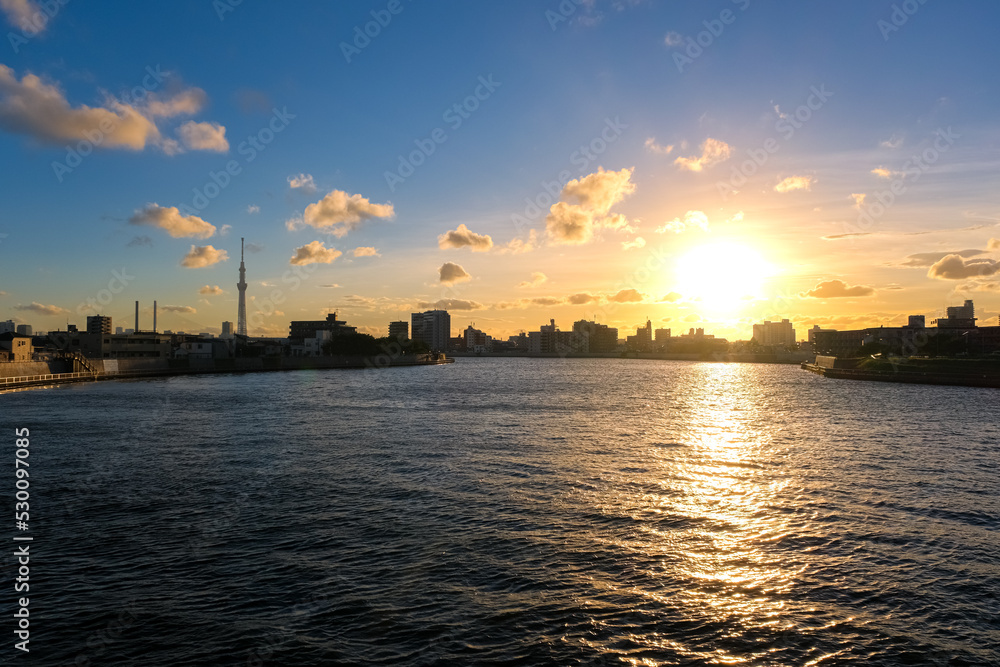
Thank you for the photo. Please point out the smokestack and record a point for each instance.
(137, 317)
(154, 316)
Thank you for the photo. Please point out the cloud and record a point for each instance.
(537, 278)
(203, 136)
(627, 296)
(639, 242)
(365, 251)
(302, 182)
(42, 309)
(594, 194)
(314, 253)
(178, 309)
(330, 286)
(882, 172)
(518, 245)
(254, 247)
(582, 298)
(859, 200)
(170, 219)
(954, 267)
(834, 237)
(208, 289)
(654, 147)
(452, 273)
(21, 13)
(673, 39)
(922, 259)
(204, 255)
(40, 110)
(713, 151)
(692, 220)
(253, 208)
(834, 289)
(892, 142)
(139, 241)
(463, 237)
(340, 213)
(452, 304)
(671, 297)
(225, 229)
(993, 244)
(795, 183)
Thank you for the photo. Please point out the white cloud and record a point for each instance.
(314, 253)
(203, 136)
(339, 212)
(882, 172)
(955, 267)
(537, 278)
(170, 219)
(859, 199)
(673, 39)
(451, 273)
(42, 309)
(793, 183)
(204, 255)
(518, 245)
(654, 147)
(713, 151)
(595, 194)
(178, 309)
(21, 13)
(892, 142)
(209, 289)
(692, 220)
(40, 110)
(253, 208)
(365, 251)
(463, 237)
(639, 242)
(302, 182)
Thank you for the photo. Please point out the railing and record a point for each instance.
(48, 377)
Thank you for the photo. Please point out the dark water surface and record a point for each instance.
(511, 512)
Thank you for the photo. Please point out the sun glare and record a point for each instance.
(722, 277)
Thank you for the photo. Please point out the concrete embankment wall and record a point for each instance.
(24, 368)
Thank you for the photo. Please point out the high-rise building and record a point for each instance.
(770, 334)
(433, 327)
(24, 330)
(227, 330)
(8, 327)
(399, 330)
(98, 324)
(241, 316)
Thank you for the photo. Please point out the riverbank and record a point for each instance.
(120, 369)
(909, 373)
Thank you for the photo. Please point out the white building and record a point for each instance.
(774, 334)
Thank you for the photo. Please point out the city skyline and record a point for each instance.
(839, 178)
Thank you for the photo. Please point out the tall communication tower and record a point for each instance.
(241, 318)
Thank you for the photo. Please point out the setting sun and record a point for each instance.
(722, 276)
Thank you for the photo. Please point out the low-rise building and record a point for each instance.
(16, 346)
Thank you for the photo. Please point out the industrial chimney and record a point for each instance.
(154, 316)
(137, 317)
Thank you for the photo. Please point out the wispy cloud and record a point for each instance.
(713, 151)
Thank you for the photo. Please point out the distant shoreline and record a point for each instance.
(991, 381)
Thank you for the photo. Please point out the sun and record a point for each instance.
(722, 277)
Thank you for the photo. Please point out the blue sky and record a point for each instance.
(558, 76)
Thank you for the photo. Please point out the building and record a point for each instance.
(241, 315)
(661, 337)
(959, 317)
(399, 330)
(299, 331)
(550, 340)
(7, 327)
(227, 330)
(99, 324)
(643, 338)
(597, 338)
(774, 334)
(476, 340)
(432, 327)
(16, 346)
(25, 330)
